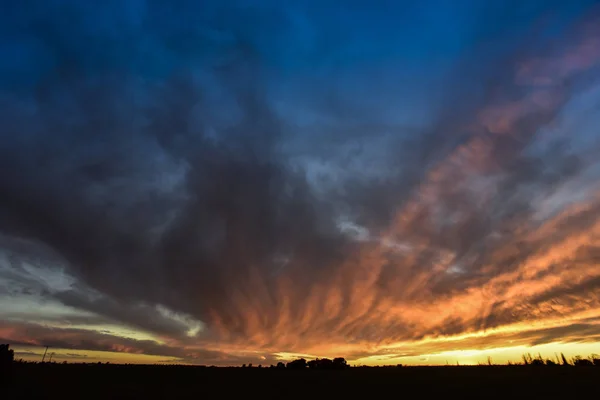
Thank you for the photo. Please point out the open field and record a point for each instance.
(128, 381)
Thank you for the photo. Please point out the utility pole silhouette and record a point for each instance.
(44, 356)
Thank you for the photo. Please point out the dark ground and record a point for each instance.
(123, 381)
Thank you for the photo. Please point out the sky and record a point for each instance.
(233, 182)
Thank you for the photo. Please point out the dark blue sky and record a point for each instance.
(214, 172)
(307, 38)
(364, 54)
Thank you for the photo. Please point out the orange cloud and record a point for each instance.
(434, 282)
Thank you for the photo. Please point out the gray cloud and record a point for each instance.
(79, 339)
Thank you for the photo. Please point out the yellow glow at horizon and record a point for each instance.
(89, 356)
(500, 355)
(431, 351)
(120, 331)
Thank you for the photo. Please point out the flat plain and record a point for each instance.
(82, 381)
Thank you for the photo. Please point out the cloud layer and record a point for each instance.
(183, 181)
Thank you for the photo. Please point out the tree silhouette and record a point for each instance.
(340, 363)
(7, 356)
(326, 363)
(297, 364)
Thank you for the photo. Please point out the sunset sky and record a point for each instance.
(237, 181)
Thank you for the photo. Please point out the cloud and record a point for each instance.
(28, 334)
(151, 178)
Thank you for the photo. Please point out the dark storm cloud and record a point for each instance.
(149, 153)
(139, 316)
(87, 176)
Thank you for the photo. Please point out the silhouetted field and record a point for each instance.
(137, 381)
